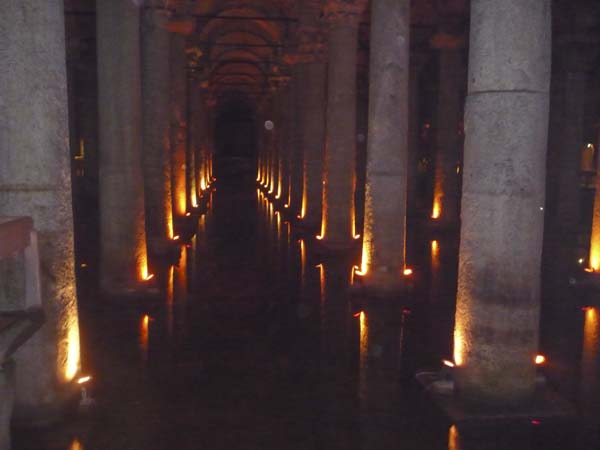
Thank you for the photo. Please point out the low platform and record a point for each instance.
(547, 405)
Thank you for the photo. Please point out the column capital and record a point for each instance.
(344, 12)
(311, 44)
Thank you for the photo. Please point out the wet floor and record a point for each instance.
(255, 344)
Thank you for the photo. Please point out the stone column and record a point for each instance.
(506, 123)
(448, 117)
(35, 181)
(337, 226)
(295, 142)
(568, 203)
(178, 124)
(311, 69)
(384, 237)
(123, 261)
(413, 132)
(156, 138)
(197, 134)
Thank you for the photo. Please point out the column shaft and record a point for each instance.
(312, 80)
(178, 124)
(156, 96)
(387, 153)
(122, 222)
(506, 123)
(445, 194)
(35, 180)
(337, 227)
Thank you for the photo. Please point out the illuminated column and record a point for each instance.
(416, 63)
(387, 153)
(312, 74)
(594, 260)
(337, 226)
(197, 131)
(295, 141)
(448, 117)
(191, 152)
(178, 124)
(35, 180)
(571, 141)
(506, 123)
(123, 261)
(284, 132)
(156, 143)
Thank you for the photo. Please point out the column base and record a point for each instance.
(7, 394)
(544, 404)
(65, 401)
(382, 288)
(142, 290)
(327, 247)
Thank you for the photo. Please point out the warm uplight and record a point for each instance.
(459, 345)
(435, 214)
(358, 314)
(286, 206)
(357, 236)
(176, 238)
(453, 438)
(407, 272)
(84, 380)
(144, 335)
(321, 280)
(448, 363)
(148, 277)
(364, 260)
(76, 445)
(594, 258)
(580, 260)
(540, 359)
(73, 351)
(434, 247)
(81, 155)
(319, 237)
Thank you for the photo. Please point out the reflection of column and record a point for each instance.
(589, 390)
(497, 311)
(379, 371)
(312, 74)
(448, 116)
(336, 380)
(35, 180)
(122, 222)
(156, 148)
(385, 197)
(178, 123)
(337, 226)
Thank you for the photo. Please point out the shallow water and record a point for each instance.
(255, 344)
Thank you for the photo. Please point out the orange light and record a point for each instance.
(407, 272)
(448, 363)
(357, 236)
(540, 359)
(149, 277)
(589, 269)
(83, 265)
(84, 380)
(286, 206)
(459, 346)
(176, 238)
(435, 214)
(357, 314)
(319, 237)
(188, 214)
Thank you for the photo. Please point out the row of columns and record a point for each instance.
(506, 125)
(153, 164)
